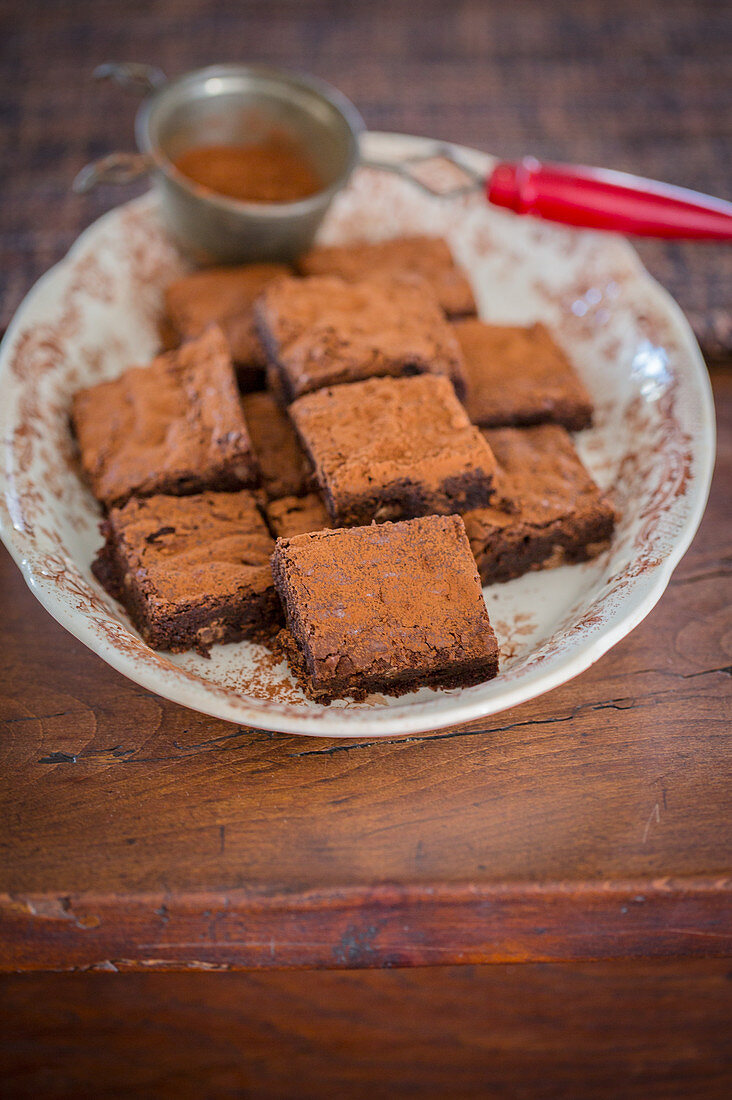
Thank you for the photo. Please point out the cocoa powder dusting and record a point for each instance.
(276, 170)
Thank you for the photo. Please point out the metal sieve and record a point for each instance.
(231, 104)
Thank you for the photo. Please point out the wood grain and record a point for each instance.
(640, 87)
(591, 822)
(645, 1030)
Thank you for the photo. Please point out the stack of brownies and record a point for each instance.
(346, 450)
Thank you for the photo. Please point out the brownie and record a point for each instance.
(290, 516)
(175, 426)
(224, 295)
(547, 510)
(390, 608)
(519, 376)
(284, 468)
(274, 385)
(393, 448)
(429, 257)
(322, 331)
(191, 571)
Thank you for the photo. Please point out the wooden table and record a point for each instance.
(579, 844)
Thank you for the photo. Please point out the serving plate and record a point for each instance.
(652, 445)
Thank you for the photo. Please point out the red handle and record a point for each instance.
(597, 198)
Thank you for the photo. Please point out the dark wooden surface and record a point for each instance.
(589, 823)
(592, 823)
(621, 1031)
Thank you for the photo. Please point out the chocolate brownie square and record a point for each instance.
(393, 448)
(290, 516)
(225, 296)
(388, 608)
(323, 331)
(284, 467)
(191, 571)
(174, 427)
(519, 376)
(429, 257)
(547, 510)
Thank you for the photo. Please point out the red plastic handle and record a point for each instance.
(598, 198)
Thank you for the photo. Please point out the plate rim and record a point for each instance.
(363, 723)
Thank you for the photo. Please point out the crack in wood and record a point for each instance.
(628, 703)
(121, 755)
(726, 669)
(35, 717)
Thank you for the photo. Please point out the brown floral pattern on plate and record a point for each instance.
(652, 444)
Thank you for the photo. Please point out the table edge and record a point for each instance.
(384, 925)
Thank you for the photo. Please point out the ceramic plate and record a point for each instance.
(652, 445)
